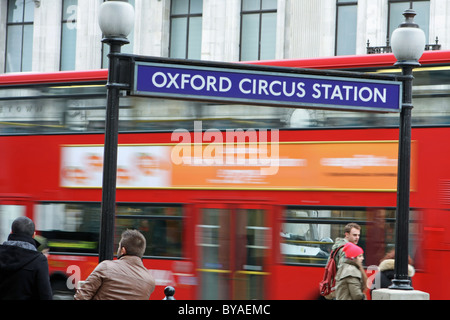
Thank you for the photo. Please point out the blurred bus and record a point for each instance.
(216, 226)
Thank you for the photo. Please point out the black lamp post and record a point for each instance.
(116, 20)
(408, 44)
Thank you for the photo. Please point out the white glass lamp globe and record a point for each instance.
(408, 40)
(116, 18)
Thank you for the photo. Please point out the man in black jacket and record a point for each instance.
(23, 270)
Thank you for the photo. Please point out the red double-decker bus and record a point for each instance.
(236, 202)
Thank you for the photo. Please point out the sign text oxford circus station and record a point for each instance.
(253, 87)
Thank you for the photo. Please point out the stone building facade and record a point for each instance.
(53, 35)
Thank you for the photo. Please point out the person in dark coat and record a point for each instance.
(23, 269)
(383, 278)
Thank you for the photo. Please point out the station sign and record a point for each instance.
(270, 86)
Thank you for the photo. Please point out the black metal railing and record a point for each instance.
(387, 48)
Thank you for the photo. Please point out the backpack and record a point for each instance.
(327, 285)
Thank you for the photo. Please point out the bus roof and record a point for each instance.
(53, 77)
(355, 61)
(335, 62)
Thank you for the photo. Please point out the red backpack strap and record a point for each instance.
(335, 251)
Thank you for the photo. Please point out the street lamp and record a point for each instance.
(408, 44)
(116, 20)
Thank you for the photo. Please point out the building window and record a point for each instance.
(186, 29)
(258, 29)
(396, 9)
(19, 43)
(68, 34)
(346, 20)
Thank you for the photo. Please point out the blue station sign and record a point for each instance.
(261, 87)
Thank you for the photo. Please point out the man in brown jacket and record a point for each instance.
(122, 279)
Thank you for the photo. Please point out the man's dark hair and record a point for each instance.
(23, 226)
(134, 242)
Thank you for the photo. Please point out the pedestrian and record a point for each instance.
(351, 278)
(123, 279)
(385, 274)
(24, 271)
(352, 232)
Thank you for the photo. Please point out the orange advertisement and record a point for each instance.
(321, 166)
(358, 166)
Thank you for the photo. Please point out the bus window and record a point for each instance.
(303, 239)
(8, 213)
(162, 227)
(308, 235)
(75, 227)
(69, 227)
